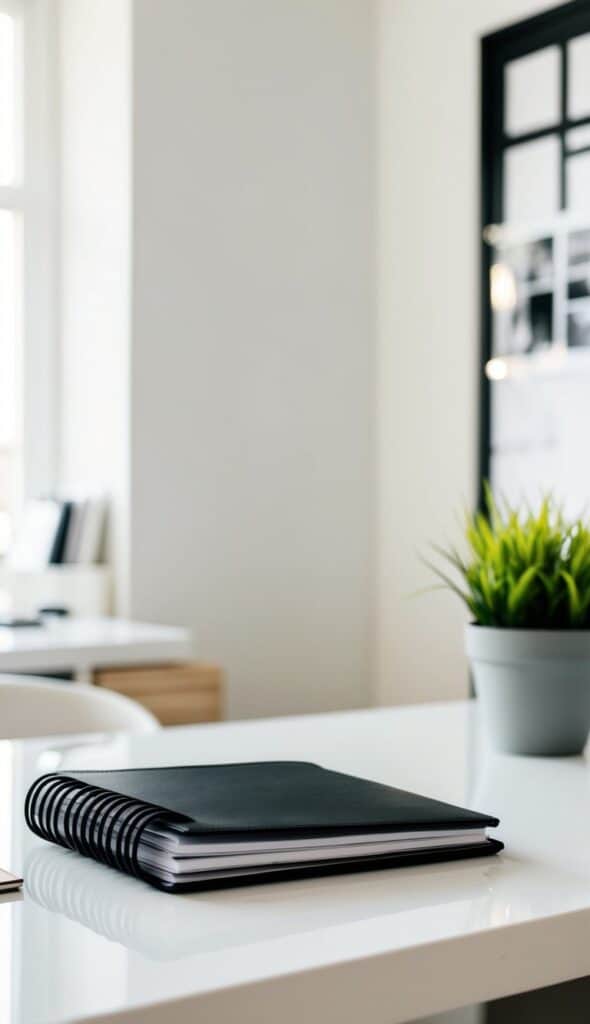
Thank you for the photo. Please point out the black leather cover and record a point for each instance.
(290, 797)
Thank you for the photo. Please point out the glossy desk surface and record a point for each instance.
(74, 643)
(87, 943)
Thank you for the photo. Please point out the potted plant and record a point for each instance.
(526, 582)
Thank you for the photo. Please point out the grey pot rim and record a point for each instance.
(493, 643)
(516, 630)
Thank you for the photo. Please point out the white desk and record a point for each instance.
(80, 645)
(379, 947)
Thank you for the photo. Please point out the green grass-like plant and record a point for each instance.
(526, 570)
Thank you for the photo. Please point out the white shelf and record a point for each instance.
(545, 286)
(83, 589)
(505, 235)
(555, 359)
(578, 271)
(511, 303)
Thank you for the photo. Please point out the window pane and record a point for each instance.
(532, 90)
(578, 138)
(578, 183)
(531, 180)
(9, 490)
(7, 100)
(8, 328)
(578, 249)
(579, 76)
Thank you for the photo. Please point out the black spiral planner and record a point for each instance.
(211, 826)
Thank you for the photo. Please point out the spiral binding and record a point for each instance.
(93, 821)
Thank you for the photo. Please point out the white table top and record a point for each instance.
(80, 643)
(382, 946)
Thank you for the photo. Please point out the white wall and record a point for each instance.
(251, 505)
(428, 324)
(252, 366)
(95, 152)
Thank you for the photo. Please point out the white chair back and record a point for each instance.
(31, 706)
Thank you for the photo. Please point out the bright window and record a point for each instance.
(8, 113)
(27, 238)
(11, 213)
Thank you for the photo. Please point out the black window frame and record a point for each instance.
(553, 27)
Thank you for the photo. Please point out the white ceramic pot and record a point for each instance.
(533, 686)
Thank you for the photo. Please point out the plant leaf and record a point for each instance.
(575, 604)
(521, 590)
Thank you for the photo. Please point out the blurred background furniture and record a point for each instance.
(79, 646)
(31, 707)
(83, 589)
(148, 663)
(175, 694)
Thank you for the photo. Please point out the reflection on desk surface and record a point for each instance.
(162, 926)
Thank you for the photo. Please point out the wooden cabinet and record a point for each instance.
(177, 694)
